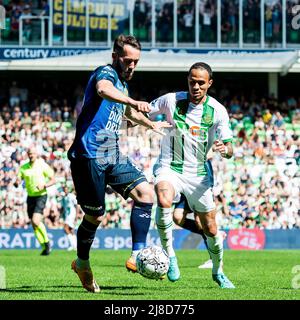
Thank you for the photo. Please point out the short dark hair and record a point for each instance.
(203, 66)
(122, 40)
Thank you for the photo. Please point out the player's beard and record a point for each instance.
(122, 74)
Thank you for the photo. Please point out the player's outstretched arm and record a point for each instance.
(106, 90)
(141, 119)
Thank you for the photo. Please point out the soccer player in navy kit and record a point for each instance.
(96, 160)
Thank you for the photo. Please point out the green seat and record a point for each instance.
(288, 126)
(296, 126)
(248, 126)
(6, 32)
(294, 35)
(287, 119)
(67, 124)
(261, 134)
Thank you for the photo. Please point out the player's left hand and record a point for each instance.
(220, 146)
(41, 186)
(158, 125)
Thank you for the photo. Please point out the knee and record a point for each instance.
(35, 222)
(145, 196)
(210, 228)
(34, 225)
(164, 202)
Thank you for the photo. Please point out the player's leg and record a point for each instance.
(180, 217)
(215, 247)
(69, 228)
(200, 197)
(181, 211)
(165, 195)
(208, 263)
(89, 179)
(71, 237)
(35, 208)
(126, 179)
(140, 219)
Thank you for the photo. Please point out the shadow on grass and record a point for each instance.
(66, 289)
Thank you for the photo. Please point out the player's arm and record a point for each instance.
(130, 123)
(225, 148)
(18, 179)
(49, 174)
(224, 135)
(108, 91)
(140, 118)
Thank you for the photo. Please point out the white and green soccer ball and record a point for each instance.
(152, 262)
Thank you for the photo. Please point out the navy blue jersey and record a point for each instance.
(98, 124)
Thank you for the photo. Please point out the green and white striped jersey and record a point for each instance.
(195, 128)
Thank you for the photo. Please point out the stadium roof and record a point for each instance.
(154, 60)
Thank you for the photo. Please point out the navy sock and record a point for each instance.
(140, 222)
(85, 237)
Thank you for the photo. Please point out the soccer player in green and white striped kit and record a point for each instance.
(199, 121)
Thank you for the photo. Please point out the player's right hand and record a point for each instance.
(142, 106)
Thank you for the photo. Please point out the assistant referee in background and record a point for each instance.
(38, 176)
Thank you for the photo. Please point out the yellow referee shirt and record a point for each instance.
(33, 175)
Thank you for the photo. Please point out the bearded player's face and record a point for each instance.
(128, 62)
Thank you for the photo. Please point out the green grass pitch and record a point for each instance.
(257, 275)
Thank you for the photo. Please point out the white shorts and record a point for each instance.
(197, 190)
(70, 219)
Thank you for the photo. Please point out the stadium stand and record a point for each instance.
(259, 187)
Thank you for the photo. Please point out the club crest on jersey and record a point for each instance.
(207, 119)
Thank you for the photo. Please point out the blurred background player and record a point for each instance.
(199, 122)
(69, 211)
(38, 176)
(97, 161)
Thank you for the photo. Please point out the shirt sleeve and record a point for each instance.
(224, 131)
(106, 73)
(158, 107)
(47, 171)
(20, 173)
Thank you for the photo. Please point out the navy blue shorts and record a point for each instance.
(183, 204)
(90, 179)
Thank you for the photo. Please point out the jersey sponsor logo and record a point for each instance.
(92, 208)
(114, 120)
(195, 131)
(200, 133)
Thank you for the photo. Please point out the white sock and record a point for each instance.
(215, 248)
(164, 223)
(134, 253)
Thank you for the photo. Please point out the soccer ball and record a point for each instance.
(152, 262)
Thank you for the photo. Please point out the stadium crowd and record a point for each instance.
(259, 187)
(164, 10)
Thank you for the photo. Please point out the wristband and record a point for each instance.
(226, 151)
